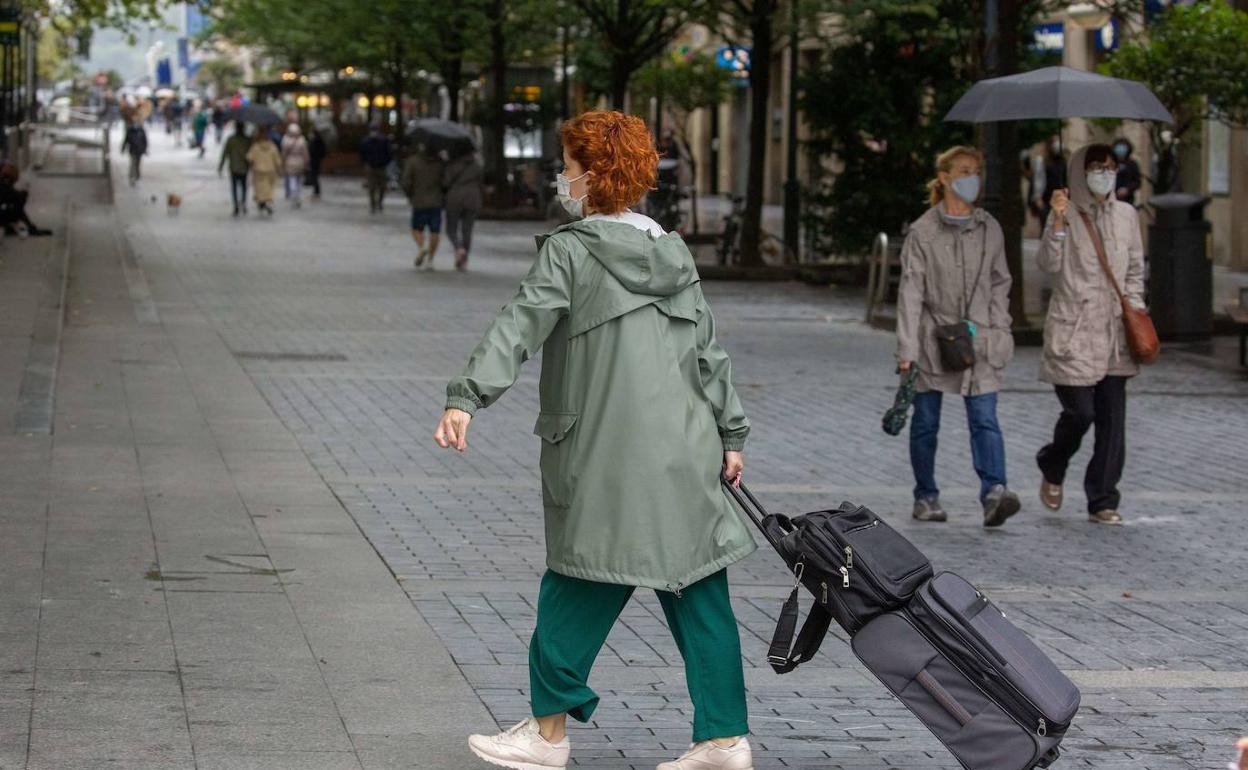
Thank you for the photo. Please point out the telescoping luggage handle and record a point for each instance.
(784, 655)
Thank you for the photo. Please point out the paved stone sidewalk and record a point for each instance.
(351, 349)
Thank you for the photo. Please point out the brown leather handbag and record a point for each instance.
(1141, 334)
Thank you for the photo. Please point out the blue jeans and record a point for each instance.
(987, 445)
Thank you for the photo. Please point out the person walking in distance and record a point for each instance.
(1086, 358)
(295, 158)
(266, 167)
(135, 145)
(955, 282)
(316, 155)
(376, 155)
(422, 183)
(628, 352)
(235, 154)
(462, 182)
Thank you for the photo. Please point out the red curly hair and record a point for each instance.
(619, 150)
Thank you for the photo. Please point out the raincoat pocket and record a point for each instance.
(554, 427)
(999, 345)
(1060, 333)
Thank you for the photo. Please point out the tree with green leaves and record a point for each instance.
(223, 74)
(625, 34)
(686, 84)
(1195, 59)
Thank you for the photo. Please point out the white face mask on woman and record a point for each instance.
(563, 192)
(1102, 182)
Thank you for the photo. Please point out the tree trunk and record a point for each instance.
(621, 73)
(760, 92)
(1013, 214)
(495, 159)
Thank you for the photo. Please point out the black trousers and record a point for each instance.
(1105, 406)
(238, 190)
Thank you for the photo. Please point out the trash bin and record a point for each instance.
(1180, 270)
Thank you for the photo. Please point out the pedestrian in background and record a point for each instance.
(199, 129)
(316, 155)
(218, 119)
(639, 422)
(1085, 350)
(955, 280)
(235, 153)
(376, 155)
(295, 158)
(13, 197)
(135, 144)
(1128, 182)
(422, 183)
(266, 167)
(462, 181)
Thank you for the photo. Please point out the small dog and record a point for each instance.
(173, 203)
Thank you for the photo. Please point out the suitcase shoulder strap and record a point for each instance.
(784, 655)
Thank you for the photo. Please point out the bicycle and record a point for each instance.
(729, 247)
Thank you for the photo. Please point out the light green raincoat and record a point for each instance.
(637, 406)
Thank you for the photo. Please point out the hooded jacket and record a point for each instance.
(940, 263)
(1084, 339)
(637, 406)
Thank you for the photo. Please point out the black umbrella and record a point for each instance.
(1057, 92)
(253, 113)
(441, 136)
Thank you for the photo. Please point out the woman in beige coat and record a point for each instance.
(266, 167)
(954, 271)
(1085, 351)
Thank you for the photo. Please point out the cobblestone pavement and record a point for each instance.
(352, 349)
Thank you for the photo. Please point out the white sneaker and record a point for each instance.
(708, 755)
(521, 748)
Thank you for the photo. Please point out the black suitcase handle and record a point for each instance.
(752, 507)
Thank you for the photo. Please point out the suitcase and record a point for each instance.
(982, 687)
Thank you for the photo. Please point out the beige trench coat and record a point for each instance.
(939, 264)
(1084, 339)
(266, 165)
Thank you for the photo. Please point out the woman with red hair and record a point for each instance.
(639, 423)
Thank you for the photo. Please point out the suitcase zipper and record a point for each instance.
(1021, 706)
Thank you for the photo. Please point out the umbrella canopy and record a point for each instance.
(162, 93)
(253, 113)
(895, 418)
(1057, 92)
(442, 135)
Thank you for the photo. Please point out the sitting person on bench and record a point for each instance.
(13, 203)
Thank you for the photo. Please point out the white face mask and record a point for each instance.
(563, 191)
(1102, 182)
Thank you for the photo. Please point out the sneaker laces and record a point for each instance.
(527, 726)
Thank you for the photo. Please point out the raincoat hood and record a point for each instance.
(643, 263)
(1077, 179)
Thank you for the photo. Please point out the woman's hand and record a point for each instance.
(734, 463)
(1059, 202)
(452, 430)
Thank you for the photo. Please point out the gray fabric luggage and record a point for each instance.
(983, 688)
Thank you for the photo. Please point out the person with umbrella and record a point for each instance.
(639, 425)
(1129, 179)
(1086, 358)
(266, 167)
(235, 153)
(955, 283)
(376, 155)
(422, 183)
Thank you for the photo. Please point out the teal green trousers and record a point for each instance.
(574, 617)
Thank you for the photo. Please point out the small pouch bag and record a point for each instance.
(956, 345)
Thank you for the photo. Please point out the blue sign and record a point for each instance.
(1049, 38)
(735, 59)
(164, 73)
(184, 53)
